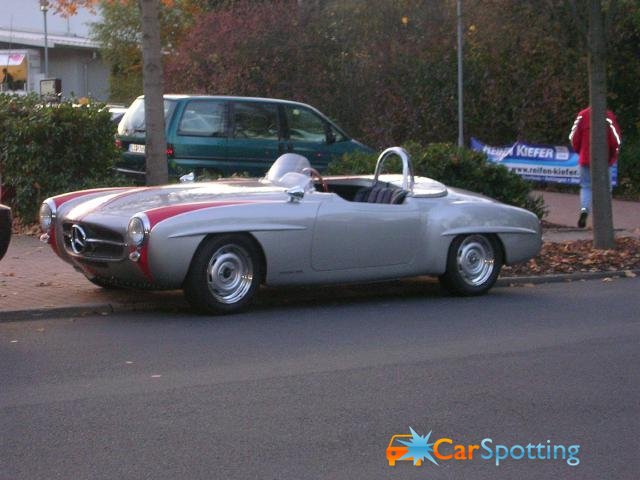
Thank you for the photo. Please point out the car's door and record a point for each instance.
(255, 140)
(308, 134)
(200, 136)
(353, 235)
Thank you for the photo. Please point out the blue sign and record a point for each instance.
(545, 163)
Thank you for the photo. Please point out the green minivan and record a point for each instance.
(224, 135)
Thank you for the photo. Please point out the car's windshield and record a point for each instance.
(287, 171)
(133, 121)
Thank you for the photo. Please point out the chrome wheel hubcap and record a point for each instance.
(475, 260)
(229, 274)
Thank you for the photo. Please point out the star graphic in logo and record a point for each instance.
(419, 448)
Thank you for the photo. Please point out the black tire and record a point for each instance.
(473, 264)
(224, 275)
(5, 229)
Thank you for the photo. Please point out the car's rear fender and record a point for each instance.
(517, 230)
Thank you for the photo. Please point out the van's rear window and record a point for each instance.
(133, 121)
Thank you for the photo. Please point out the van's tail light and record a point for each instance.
(170, 150)
(118, 144)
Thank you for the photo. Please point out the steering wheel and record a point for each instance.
(312, 172)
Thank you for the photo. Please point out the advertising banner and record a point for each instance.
(545, 163)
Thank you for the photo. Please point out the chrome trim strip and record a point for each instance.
(94, 259)
(488, 229)
(106, 242)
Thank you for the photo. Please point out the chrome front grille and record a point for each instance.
(93, 242)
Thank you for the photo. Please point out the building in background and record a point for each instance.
(72, 56)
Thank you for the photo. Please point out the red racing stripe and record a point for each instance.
(65, 197)
(157, 215)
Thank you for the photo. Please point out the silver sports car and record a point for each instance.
(220, 240)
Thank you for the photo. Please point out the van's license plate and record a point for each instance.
(136, 148)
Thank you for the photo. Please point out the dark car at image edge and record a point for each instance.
(5, 229)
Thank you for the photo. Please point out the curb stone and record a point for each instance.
(563, 277)
(85, 310)
(55, 312)
(110, 308)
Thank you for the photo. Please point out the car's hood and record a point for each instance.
(125, 203)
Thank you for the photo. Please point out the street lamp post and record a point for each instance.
(460, 104)
(44, 6)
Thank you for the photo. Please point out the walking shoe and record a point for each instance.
(582, 221)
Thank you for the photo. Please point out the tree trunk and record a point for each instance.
(602, 214)
(153, 88)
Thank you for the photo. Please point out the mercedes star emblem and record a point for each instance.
(78, 239)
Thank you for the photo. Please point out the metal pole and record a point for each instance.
(44, 6)
(460, 99)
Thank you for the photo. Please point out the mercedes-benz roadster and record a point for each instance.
(220, 240)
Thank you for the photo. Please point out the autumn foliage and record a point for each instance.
(386, 70)
(579, 256)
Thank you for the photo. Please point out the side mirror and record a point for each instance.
(188, 178)
(295, 194)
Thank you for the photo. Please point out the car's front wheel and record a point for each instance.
(473, 264)
(224, 275)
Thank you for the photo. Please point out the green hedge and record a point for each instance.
(465, 169)
(629, 169)
(47, 149)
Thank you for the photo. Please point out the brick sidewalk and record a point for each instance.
(564, 209)
(33, 277)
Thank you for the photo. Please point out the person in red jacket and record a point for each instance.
(580, 141)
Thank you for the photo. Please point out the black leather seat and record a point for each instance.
(388, 195)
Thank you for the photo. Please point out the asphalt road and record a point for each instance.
(312, 390)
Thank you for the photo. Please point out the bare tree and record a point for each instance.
(153, 86)
(594, 25)
(602, 213)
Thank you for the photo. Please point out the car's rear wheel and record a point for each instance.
(473, 264)
(224, 275)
